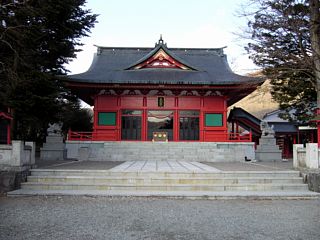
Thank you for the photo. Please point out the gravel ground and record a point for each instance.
(86, 218)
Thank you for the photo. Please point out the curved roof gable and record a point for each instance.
(160, 57)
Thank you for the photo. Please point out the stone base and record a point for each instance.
(53, 149)
(11, 180)
(174, 151)
(314, 182)
(268, 150)
(275, 155)
(53, 154)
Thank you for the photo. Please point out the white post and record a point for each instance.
(312, 160)
(33, 152)
(295, 154)
(17, 153)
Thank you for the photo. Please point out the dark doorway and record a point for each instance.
(189, 125)
(3, 131)
(131, 125)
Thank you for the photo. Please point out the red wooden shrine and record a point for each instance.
(183, 93)
(5, 127)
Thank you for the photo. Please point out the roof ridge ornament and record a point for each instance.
(161, 42)
(160, 57)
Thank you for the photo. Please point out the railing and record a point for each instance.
(80, 136)
(220, 137)
(239, 137)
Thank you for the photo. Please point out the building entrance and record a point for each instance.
(189, 125)
(131, 124)
(160, 121)
(3, 131)
(183, 127)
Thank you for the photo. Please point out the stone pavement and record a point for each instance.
(167, 165)
(163, 166)
(252, 166)
(81, 165)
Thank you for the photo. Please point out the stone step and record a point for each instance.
(171, 179)
(172, 174)
(165, 181)
(166, 151)
(223, 195)
(247, 195)
(179, 187)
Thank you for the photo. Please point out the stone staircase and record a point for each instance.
(226, 184)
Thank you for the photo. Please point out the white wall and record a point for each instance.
(307, 157)
(17, 154)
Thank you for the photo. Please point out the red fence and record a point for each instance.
(223, 137)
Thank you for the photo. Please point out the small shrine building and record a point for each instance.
(5, 126)
(180, 93)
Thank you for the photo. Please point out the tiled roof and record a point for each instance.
(207, 67)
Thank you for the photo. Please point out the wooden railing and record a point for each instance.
(239, 137)
(221, 137)
(80, 136)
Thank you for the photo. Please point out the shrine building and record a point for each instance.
(160, 94)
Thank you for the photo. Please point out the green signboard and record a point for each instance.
(213, 120)
(107, 118)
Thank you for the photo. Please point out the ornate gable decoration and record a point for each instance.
(160, 58)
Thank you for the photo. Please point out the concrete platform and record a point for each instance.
(173, 165)
(146, 151)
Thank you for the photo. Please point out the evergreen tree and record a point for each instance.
(78, 119)
(37, 39)
(281, 44)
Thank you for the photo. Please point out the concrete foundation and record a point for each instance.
(15, 161)
(144, 151)
(17, 155)
(268, 150)
(313, 180)
(11, 180)
(53, 149)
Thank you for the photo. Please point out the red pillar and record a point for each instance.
(9, 133)
(318, 127)
(69, 134)
(175, 126)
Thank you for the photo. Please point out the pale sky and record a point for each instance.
(182, 23)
